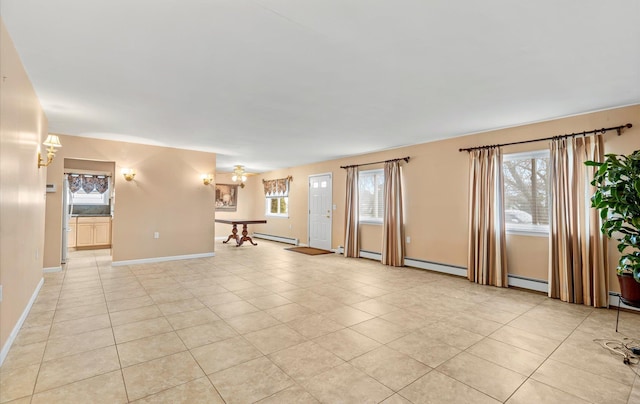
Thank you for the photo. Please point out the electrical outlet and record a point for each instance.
(156, 235)
(0, 293)
(408, 239)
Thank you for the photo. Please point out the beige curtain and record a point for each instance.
(351, 239)
(487, 263)
(578, 264)
(393, 220)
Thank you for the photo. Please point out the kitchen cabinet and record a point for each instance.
(93, 231)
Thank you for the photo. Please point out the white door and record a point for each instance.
(320, 211)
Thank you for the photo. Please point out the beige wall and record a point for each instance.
(23, 128)
(166, 196)
(436, 194)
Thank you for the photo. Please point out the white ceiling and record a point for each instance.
(280, 83)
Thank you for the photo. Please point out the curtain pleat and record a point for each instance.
(578, 262)
(88, 184)
(351, 233)
(393, 219)
(75, 183)
(101, 184)
(487, 261)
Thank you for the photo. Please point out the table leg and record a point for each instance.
(233, 235)
(245, 237)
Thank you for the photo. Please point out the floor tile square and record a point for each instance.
(255, 321)
(435, 387)
(224, 354)
(206, 333)
(197, 391)
(148, 348)
(141, 329)
(346, 384)
(485, 376)
(107, 388)
(191, 318)
(346, 343)
(305, 360)
(390, 367)
(160, 374)
(77, 367)
(250, 381)
(275, 338)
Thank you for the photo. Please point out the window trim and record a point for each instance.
(530, 230)
(371, 221)
(267, 206)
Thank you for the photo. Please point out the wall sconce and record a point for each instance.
(238, 175)
(53, 142)
(128, 173)
(207, 178)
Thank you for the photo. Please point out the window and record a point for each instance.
(277, 197)
(371, 195)
(526, 192)
(278, 206)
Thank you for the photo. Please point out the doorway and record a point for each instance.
(88, 198)
(320, 211)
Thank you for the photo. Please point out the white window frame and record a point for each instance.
(93, 198)
(533, 229)
(268, 206)
(376, 221)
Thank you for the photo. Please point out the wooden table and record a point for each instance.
(234, 231)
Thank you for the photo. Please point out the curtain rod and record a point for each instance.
(590, 132)
(406, 159)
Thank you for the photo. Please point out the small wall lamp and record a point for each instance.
(128, 173)
(207, 178)
(53, 142)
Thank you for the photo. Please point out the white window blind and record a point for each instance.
(371, 195)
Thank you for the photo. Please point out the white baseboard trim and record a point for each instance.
(161, 259)
(16, 329)
(528, 283)
(52, 269)
(281, 239)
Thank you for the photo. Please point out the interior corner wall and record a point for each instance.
(435, 186)
(23, 128)
(166, 196)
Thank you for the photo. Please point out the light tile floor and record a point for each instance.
(262, 324)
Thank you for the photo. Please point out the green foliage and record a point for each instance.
(617, 197)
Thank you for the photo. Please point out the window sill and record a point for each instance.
(284, 216)
(371, 222)
(527, 233)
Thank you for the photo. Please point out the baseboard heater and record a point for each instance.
(514, 280)
(287, 240)
(614, 301)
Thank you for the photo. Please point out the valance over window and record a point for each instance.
(88, 183)
(276, 188)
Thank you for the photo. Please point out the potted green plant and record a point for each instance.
(617, 197)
